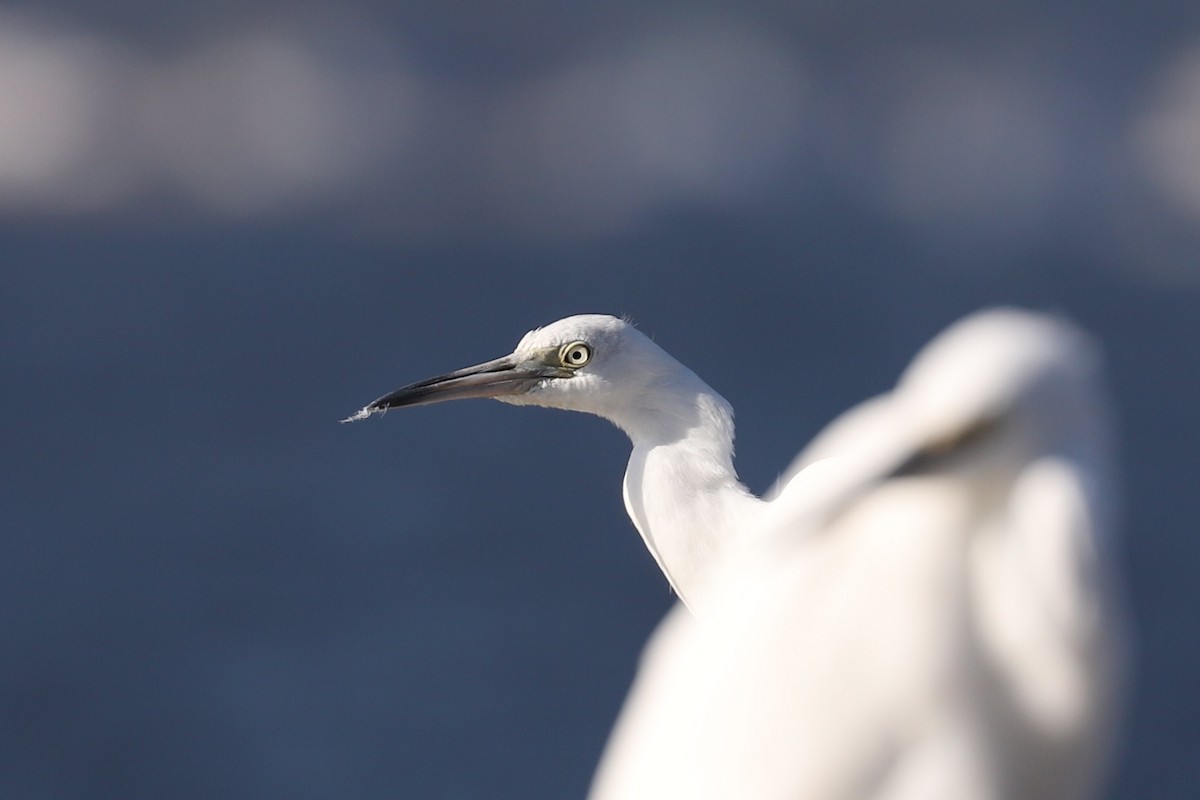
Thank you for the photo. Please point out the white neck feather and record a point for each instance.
(681, 490)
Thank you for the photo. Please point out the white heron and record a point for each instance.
(928, 615)
(681, 490)
(924, 617)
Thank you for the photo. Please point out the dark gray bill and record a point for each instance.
(496, 378)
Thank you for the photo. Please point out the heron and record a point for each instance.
(680, 488)
(929, 613)
(921, 609)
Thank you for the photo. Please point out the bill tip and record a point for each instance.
(362, 413)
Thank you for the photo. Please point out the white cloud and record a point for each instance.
(53, 91)
(1167, 137)
(705, 112)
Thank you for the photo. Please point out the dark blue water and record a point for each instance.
(212, 589)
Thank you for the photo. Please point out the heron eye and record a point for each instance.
(575, 355)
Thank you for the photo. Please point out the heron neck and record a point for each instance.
(682, 492)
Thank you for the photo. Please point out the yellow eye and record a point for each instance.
(575, 355)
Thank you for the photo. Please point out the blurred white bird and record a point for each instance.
(927, 615)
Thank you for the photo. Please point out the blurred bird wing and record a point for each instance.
(867, 640)
(873, 418)
(816, 673)
(1050, 617)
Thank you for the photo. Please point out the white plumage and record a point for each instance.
(924, 614)
(680, 489)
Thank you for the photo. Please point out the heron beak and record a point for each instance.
(500, 377)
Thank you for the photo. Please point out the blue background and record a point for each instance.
(209, 588)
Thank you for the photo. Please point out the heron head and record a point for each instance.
(594, 363)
